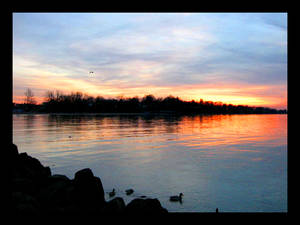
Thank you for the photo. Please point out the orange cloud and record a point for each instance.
(41, 81)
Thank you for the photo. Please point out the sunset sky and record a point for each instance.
(237, 58)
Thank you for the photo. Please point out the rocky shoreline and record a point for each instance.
(35, 191)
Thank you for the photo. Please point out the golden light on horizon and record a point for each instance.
(227, 95)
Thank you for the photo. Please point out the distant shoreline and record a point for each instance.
(149, 105)
(142, 113)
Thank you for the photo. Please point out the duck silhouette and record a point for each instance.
(111, 194)
(129, 191)
(176, 198)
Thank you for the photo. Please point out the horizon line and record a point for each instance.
(118, 97)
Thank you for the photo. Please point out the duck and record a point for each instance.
(176, 198)
(111, 194)
(129, 191)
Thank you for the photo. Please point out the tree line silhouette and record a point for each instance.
(57, 102)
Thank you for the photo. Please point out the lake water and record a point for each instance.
(237, 163)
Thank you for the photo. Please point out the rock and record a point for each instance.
(25, 159)
(58, 192)
(47, 171)
(116, 205)
(24, 185)
(25, 204)
(88, 189)
(57, 178)
(31, 167)
(84, 174)
(35, 191)
(145, 206)
(13, 152)
(29, 171)
(13, 156)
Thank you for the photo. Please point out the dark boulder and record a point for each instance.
(28, 173)
(31, 167)
(83, 175)
(13, 153)
(13, 158)
(116, 205)
(25, 204)
(25, 185)
(88, 189)
(56, 178)
(35, 191)
(57, 193)
(145, 206)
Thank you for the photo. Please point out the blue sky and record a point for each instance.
(238, 58)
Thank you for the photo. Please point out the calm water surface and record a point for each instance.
(237, 163)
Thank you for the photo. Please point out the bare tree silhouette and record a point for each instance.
(29, 97)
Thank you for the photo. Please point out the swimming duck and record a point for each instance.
(129, 191)
(176, 198)
(111, 194)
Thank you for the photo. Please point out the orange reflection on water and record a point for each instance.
(149, 136)
(223, 130)
(194, 131)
